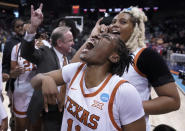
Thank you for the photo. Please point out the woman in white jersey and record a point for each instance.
(23, 90)
(96, 98)
(149, 68)
(3, 117)
(3, 114)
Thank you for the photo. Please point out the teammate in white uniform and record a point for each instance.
(149, 68)
(23, 90)
(3, 114)
(3, 117)
(96, 98)
(115, 105)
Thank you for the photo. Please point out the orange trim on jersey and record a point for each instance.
(78, 71)
(110, 105)
(96, 92)
(18, 112)
(174, 72)
(135, 62)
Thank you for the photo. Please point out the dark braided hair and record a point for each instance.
(125, 59)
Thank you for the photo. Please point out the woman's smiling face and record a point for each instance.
(123, 25)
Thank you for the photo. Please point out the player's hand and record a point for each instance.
(5, 76)
(103, 28)
(17, 71)
(97, 29)
(4, 124)
(50, 92)
(36, 18)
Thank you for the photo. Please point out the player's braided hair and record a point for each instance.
(138, 36)
(125, 59)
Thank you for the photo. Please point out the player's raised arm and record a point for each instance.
(36, 19)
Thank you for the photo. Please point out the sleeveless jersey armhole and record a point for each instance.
(135, 63)
(110, 105)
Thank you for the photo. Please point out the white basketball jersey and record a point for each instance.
(139, 80)
(23, 89)
(3, 113)
(93, 110)
(136, 78)
(22, 83)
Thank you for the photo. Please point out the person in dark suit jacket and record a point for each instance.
(46, 59)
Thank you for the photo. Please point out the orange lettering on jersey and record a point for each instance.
(78, 109)
(77, 128)
(69, 108)
(98, 105)
(27, 66)
(84, 117)
(66, 101)
(69, 123)
(73, 103)
(93, 119)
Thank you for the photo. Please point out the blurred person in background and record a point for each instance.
(3, 117)
(23, 90)
(3, 114)
(15, 38)
(177, 48)
(75, 31)
(69, 23)
(17, 33)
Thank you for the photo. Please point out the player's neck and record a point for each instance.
(94, 75)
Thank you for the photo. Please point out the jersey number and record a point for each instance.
(27, 65)
(70, 123)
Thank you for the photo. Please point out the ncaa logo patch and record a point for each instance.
(104, 97)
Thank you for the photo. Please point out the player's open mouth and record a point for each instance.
(115, 31)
